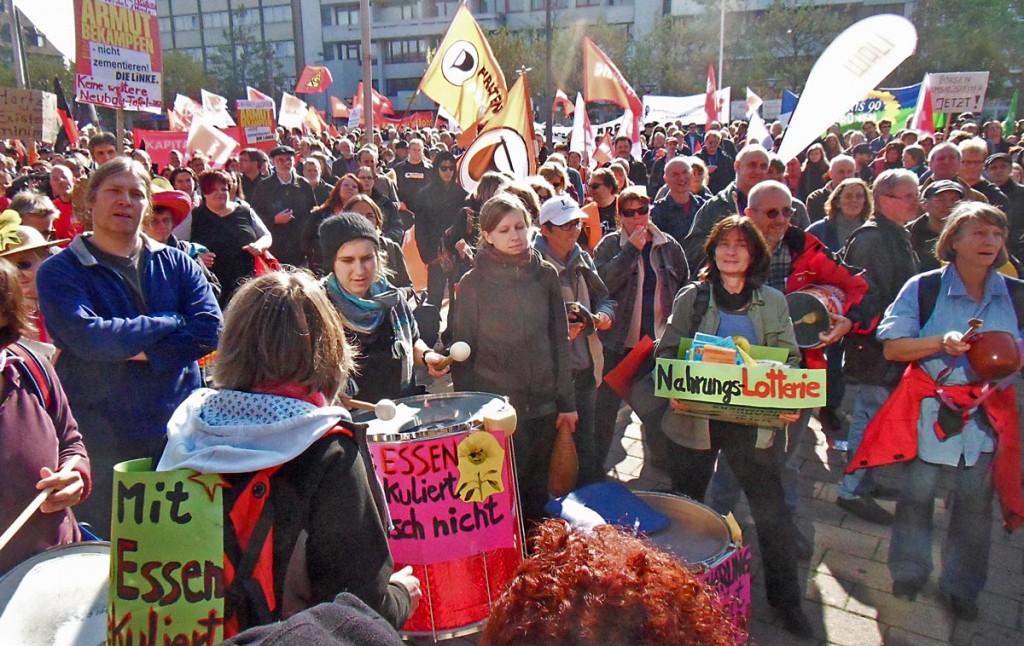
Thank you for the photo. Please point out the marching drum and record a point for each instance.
(57, 598)
(810, 308)
(700, 538)
(446, 465)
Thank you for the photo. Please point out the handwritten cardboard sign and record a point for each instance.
(731, 579)
(118, 62)
(450, 497)
(30, 115)
(166, 557)
(755, 386)
(256, 124)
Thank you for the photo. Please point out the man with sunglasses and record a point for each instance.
(798, 260)
(600, 210)
(588, 309)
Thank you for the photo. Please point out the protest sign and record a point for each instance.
(159, 143)
(731, 580)
(256, 124)
(167, 557)
(450, 497)
(751, 395)
(414, 120)
(216, 143)
(958, 91)
(28, 114)
(118, 62)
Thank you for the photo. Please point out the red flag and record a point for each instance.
(923, 119)
(338, 108)
(313, 80)
(65, 115)
(602, 81)
(381, 104)
(563, 100)
(253, 94)
(711, 99)
(331, 130)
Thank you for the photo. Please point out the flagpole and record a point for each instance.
(364, 26)
(19, 62)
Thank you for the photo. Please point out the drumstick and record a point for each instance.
(36, 503)
(385, 409)
(808, 318)
(460, 352)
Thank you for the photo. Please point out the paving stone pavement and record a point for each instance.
(847, 586)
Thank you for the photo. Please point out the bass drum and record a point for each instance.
(57, 598)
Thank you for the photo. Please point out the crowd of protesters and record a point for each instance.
(118, 276)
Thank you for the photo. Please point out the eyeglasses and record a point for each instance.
(786, 212)
(594, 187)
(902, 198)
(448, 168)
(632, 213)
(569, 226)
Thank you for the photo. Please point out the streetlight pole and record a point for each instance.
(721, 43)
(549, 90)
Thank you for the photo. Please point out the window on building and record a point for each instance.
(345, 14)
(280, 13)
(216, 20)
(441, 8)
(186, 23)
(164, 24)
(613, 3)
(406, 50)
(514, 6)
(588, 3)
(247, 16)
(284, 48)
(394, 86)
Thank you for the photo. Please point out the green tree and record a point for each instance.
(184, 75)
(245, 60)
(41, 70)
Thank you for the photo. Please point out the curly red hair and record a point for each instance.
(605, 587)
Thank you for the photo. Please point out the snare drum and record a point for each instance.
(700, 538)
(450, 487)
(57, 598)
(810, 308)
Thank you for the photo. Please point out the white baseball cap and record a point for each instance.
(559, 210)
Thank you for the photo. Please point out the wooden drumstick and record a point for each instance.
(460, 352)
(806, 319)
(36, 503)
(564, 465)
(385, 409)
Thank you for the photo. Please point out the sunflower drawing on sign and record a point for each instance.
(481, 459)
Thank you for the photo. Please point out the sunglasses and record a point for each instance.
(25, 265)
(447, 168)
(774, 213)
(632, 213)
(594, 187)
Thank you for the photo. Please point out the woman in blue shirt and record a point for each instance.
(926, 416)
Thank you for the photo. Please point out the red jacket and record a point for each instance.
(891, 436)
(814, 264)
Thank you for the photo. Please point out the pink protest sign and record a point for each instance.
(731, 579)
(450, 497)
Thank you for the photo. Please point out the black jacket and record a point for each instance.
(438, 203)
(271, 198)
(514, 320)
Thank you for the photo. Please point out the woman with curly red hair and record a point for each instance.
(605, 587)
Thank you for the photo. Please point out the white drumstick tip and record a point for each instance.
(385, 410)
(460, 351)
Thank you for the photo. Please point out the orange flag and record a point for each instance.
(506, 143)
(338, 108)
(602, 81)
(562, 99)
(314, 79)
(711, 99)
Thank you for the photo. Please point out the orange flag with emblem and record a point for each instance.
(314, 79)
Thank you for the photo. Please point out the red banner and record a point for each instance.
(160, 143)
(414, 120)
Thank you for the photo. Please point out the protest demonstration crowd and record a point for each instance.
(258, 321)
